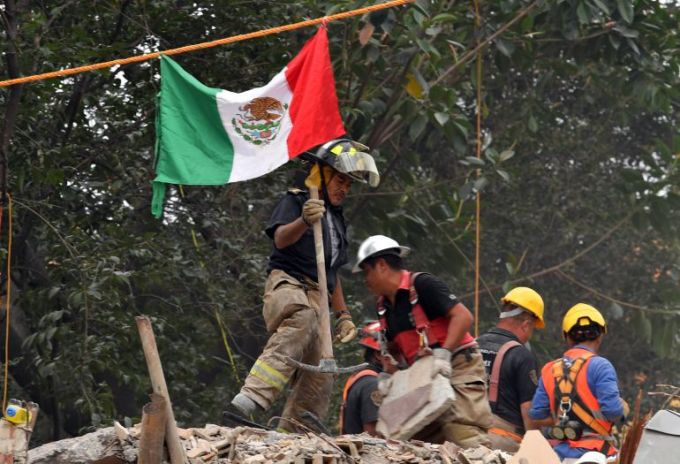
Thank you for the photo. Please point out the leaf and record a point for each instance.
(615, 311)
(626, 31)
(505, 47)
(466, 191)
(417, 127)
(633, 46)
(582, 13)
(527, 24)
(480, 183)
(504, 174)
(510, 268)
(643, 326)
(441, 117)
(602, 6)
(474, 161)
(372, 54)
(461, 128)
(50, 332)
(415, 84)
(625, 8)
(533, 125)
(444, 18)
(53, 292)
(506, 155)
(366, 33)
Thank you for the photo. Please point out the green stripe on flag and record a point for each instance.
(192, 146)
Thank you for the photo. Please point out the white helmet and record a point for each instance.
(592, 457)
(378, 244)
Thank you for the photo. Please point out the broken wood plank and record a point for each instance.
(153, 362)
(154, 418)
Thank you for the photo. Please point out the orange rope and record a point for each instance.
(8, 298)
(200, 46)
(478, 206)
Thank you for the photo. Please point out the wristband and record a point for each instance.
(342, 312)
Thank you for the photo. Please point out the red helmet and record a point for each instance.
(370, 334)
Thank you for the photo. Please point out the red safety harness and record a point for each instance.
(426, 333)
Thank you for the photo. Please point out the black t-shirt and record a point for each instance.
(299, 259)
(433, 295)
(363, 401)
(518, 376)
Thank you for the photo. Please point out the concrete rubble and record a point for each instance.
(244, 445)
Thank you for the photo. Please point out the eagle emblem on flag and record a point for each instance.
(259, 120)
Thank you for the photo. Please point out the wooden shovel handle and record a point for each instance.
(324, 320)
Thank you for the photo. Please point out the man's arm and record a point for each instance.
(604, 383)
(539, 412)
(460, 321)
(287, 234)
(345, 330)
(526, 420)
(338, 298)
(370, 402)
(525, 377)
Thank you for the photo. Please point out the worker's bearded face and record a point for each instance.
(337, 188)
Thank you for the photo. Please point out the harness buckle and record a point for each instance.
(565, 406)
(422, 336)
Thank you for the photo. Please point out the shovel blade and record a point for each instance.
(326, 366)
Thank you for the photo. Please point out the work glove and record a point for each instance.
(384, 383)
(626, 410)
(442, 362)
(312, 211)
(345, 330)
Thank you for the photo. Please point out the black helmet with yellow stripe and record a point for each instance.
(350, 158)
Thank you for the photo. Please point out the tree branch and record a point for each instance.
(568, 261)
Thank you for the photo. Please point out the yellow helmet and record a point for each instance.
(527, 299)
(582, 314)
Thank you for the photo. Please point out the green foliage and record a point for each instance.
(579, 146)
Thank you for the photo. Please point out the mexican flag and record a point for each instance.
(209, 136)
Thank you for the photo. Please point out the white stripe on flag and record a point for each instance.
(251, 160)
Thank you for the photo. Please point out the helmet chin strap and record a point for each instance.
(324, 190)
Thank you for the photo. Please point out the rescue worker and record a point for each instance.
(442, 330)
(291, 296)
(578, 395)
(360, 397)
(511, 367)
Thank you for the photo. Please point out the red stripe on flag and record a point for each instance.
(314, 107)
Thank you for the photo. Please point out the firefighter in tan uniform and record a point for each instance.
(291, 298)
(406, 298)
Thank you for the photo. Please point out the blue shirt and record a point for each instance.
(602, 381)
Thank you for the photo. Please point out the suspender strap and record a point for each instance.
(345, 392)
(589, 420)
(504, 433)
(419, 317)
(496, 369)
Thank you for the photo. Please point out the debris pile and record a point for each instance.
(244, 445)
